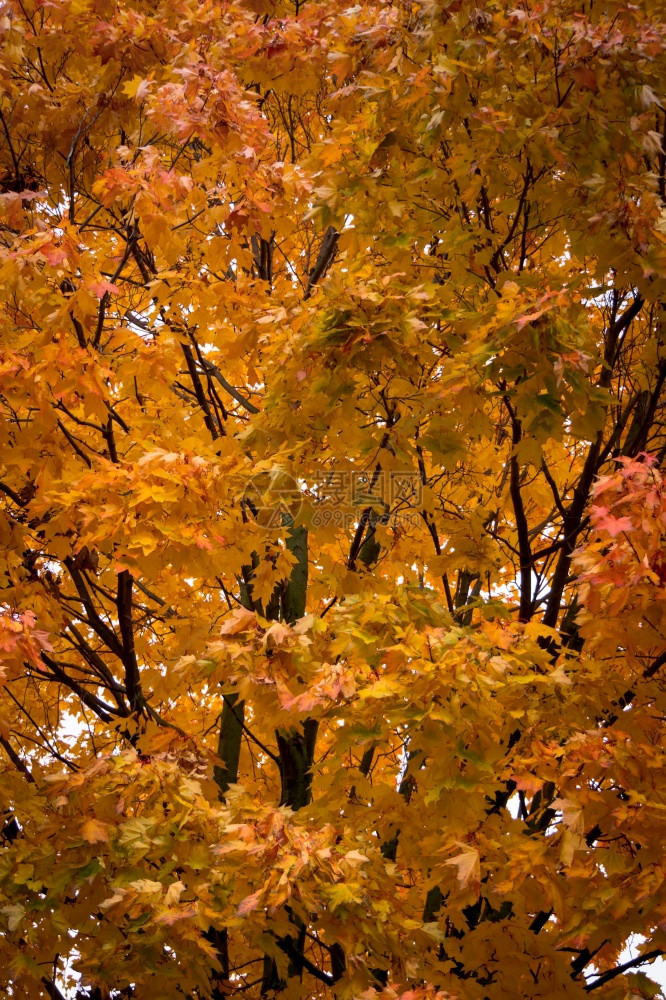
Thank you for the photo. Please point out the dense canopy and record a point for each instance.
(332, 511)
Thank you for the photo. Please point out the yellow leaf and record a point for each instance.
(146, 885)
(238, 621)
(355, 857)
(343, 894)
(173, 893)
(94, 831)
(137, 87)
(14, 913)
(469, 868)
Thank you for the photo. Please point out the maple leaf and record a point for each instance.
(332, 510)
(468, 867)
(342, 895)
(174, 892)
(355, 857)
(137, 88)
(14, 913)
(94, 831)
(610, 524)
(239, 621)
(101, 288)
(249, 903)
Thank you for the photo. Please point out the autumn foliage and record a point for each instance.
(332, 502)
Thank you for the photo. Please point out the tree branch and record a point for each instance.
(620, 969)
(52, 990)
(124, 605)
(524, 547)
(210, 369)
(101, 709)
(16, 760)
(327, 251)
(8, 491)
